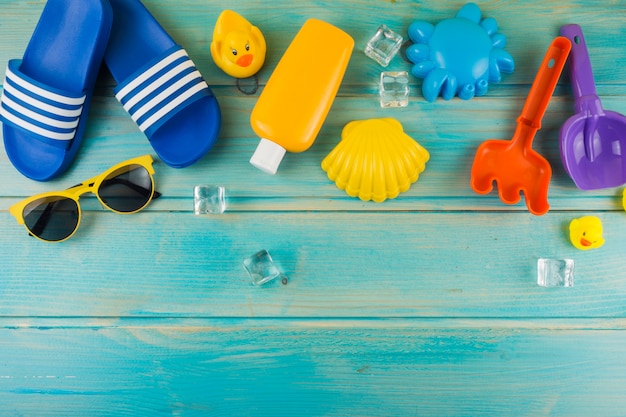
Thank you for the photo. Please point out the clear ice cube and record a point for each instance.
(555, 272)
(383, 46)
(394, 89)
(262, 269)
(209, 199)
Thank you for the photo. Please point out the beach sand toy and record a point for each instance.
(375, 160)
(593, 141)
(513, 164)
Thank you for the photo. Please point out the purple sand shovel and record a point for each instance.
(593, 141)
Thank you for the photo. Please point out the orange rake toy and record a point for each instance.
(513, 164)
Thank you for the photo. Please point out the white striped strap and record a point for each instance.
(46, 112)
(161, 88)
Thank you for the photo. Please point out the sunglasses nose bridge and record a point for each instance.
(83, 188)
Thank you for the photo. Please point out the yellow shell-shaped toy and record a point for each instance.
(375, 160)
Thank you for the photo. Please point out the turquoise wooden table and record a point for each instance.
(424, 305)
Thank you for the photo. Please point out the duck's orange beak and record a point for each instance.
(244, 60)
(585, 242)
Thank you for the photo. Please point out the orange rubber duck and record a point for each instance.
(238, 48)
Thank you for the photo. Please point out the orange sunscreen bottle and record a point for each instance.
(293, 106)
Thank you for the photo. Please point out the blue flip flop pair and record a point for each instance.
(46, 94)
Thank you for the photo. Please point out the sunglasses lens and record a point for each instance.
(127, 189)
(51, 218)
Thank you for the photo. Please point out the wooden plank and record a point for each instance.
(340, 265)
(451, 137)
(314, 368)
(528, 26)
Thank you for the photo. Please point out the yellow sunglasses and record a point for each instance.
(125, 188)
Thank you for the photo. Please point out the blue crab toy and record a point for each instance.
(458, 56)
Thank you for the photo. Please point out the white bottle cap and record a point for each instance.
(268, 156)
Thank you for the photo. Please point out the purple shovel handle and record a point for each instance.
(580, 71)
(586, 100)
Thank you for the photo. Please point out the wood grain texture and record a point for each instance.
(313, 368)
(426, 305)
(340, 265)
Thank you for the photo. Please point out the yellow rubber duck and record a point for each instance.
(238, 48)
(586, 233)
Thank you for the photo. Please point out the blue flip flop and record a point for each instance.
(46, 94)
(160, 86)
